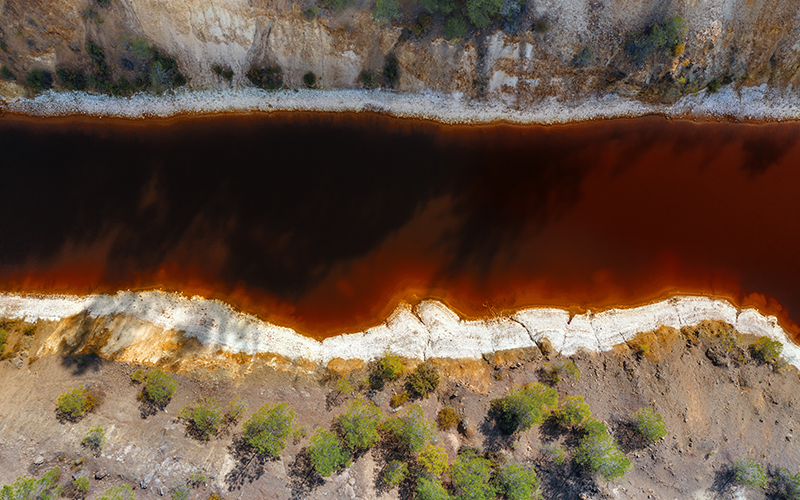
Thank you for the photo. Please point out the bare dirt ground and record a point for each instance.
(717, 403)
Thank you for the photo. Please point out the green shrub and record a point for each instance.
(180, 490)
(447, 418)
(198, 477)
(541, 25)
(367, 80)
(327, 453)
(98, 56)
(39, 80)
(236, 410)
(747, 472)
(593, 427)
(103, 3)
(398, 399)
(390, 367)
(431, 489)
(787, 485)
(82, 484)
(443, 7)
(310, 79)
(395, 473)
(519, 483)
(124, 492)
(713, 86)
(766, 350)
(343, 386)
(583, 57)
(481, 12)
(360, 423)
(141, 49)
(455, 27)
(660, 37)
(387, 10)
(335, 4)
(471, 474)
(424, 22)
(159, 387)
(3, 337)
(203, 419)
(433, 460)
(649, 424)
(423, 380)
(6, 74)
(410, 428)
(95, 438)
(4, 46)
(391, 71)
(268, 77)
(27, 488)
(223, 71)
(266, 431)
(572, 411)
(601, 454)
(77, 402)
(137, 377)
(556, 453)
(565, 369)
(524, 407)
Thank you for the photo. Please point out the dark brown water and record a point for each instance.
(325, 222)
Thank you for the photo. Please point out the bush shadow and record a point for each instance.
(567, 481)
(628, 437)
(250, 465)
(724, 483)
(304, 478)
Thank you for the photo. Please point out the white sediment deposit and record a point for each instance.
(428, 330)
(760, 103)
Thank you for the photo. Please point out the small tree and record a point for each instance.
(124, 492)
(519, 483)
(76, 403)
(203, 419)
(39, 80)
(138, 376)
(593, 427)
(431, 489)
(787, 485)
(27, 488)
(748, 472)
(310, 79)
(159, 387)
(390, 366)
(565, 369)
(455, 27)
(601, 454)
(236, 410)
(524, 407)
(327, 453)
(447, 418)
(82, 484)
(360, 423)
(423, 380)
(95, 438)
(572, 412)
(410, 429)
(649, 424)
(471, 474)
(766, 350)
(481, 12)
(395, 473)
(387, 10)
(266, 431)
(433, 460)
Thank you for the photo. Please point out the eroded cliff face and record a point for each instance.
(524, 57)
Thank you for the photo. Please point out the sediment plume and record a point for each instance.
(427, 330)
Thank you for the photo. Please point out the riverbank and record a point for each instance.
(746, 104)
(148, 327)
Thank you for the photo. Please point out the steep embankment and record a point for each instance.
(535, 61)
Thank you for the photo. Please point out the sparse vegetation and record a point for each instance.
(367, 80)
(593, 427)
(787, 485)
(423, 380)
(159, 387)
(3, 335)
(519, 483)
(236, 410)
(455, 27)
(310, 79)
(649, 424)
(387, 10)
(565, 369)
(395, 473)
(6, 74)
(327, 453)
(391, 71)
(583, 57)
(524, 407)
(335, 4)
(424, 22)
(266, 431)
(747, 472)
(124, 492)
(572, 411)
(664, 37)
(223, 71)
(39, 80)
(471, 474)
(556, 453)
(766, 350)
(360, 423)
(138, 376)
(95, 438)
(180, 490)
(713, 86)
(481, 12)
(82, 484)
(27, 488)
(198, 477)
(203, 418)
(433, 460)
(410, 429)
(71, 79)
(76, 403)
(447, 418)
(541, 25)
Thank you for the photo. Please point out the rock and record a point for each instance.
(161, 491)
(17, 361)
(101, 474)
(147, 480)
(38, 460)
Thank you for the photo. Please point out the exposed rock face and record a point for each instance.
(742, 42)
